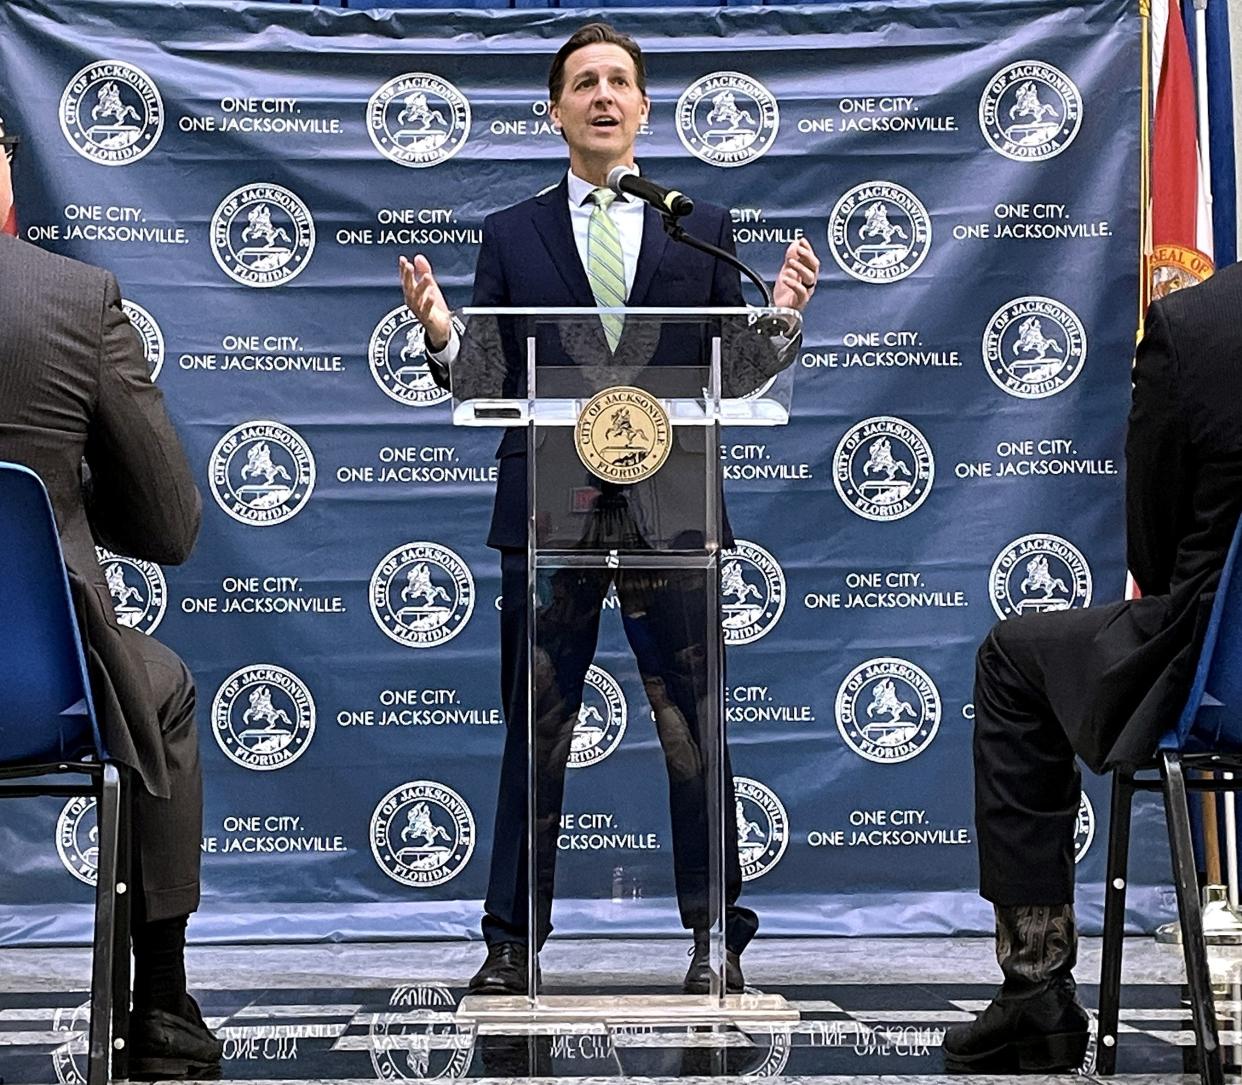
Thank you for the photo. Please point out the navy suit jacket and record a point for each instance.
(529, 258)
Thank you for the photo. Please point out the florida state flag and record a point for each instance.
(1181, 222)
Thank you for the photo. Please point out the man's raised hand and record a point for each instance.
(423, 296)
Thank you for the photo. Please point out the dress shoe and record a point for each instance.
(699, 974)
(169, 1045)
(504, 972)
(1040, 1030)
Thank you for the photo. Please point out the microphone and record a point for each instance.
(665, 200)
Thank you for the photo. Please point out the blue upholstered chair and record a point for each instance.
(48, 731)
(1208, 736)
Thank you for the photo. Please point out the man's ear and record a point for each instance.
(554, 112)
(646, 109)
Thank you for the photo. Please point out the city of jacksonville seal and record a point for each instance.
(77, 839)
(262, 235)
(1034, 347)
(1084, 828)
(623, 435)
(263, 717)
(727, 118)
(397, 356)
(421, 594)
(69, 1058)
(762, 827)
(879, 232)
(138, 589)
(1173, 267)
(1039, 573)
(111, 113)
(1030, 111)
(261, 473)
(149, 333)
(601, 719)
(883, 468)
(752, 592)
(888, 710)
(422, 834)
(417, 1038)
(418, 119)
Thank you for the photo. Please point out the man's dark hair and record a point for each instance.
(594, 34)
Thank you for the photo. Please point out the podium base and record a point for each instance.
(612, 1010)
(1222, 925)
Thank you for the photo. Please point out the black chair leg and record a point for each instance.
(121, 970)
(109, 816)
(1186, 882)
(1114, 921)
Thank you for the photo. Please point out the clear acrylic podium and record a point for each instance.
(630, 818)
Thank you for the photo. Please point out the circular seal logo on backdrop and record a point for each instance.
(416, 1039)
(421, 594)
(752, 592)
(623, 435)
(149, 333)
(883, 468)
(1037, 574)
(1034, 347)
(262, 235)
(422, 834)
(1084, 828)
(397, 355)
(762, 827)
(261, 473)
(1173, 267)
(727, 118)
(69, 1058)
(263, 717)
(77, 839)
(888, 710)
(138, 589)
(879, 232)
(418, 120)
(601, 719)
(1030, 111)
(111, 113)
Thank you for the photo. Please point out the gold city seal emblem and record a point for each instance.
(623, 435)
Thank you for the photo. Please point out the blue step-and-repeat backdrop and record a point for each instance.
(968, 173)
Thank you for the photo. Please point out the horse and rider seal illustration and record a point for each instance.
(109, 117)
(894, 730)
(1029, 113)
(888, 489)
(420, 826)
(265, 246)
(267, 492)
(427, 604)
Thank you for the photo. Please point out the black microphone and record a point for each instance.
(668, 201)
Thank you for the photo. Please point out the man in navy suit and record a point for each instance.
(538, 253)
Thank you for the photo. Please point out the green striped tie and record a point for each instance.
(605, 264)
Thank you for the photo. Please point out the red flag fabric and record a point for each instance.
(1181, 226)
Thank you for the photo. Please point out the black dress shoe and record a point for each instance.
(699, 974)
(504, 972)
(169, 1045)
(1044, 1030)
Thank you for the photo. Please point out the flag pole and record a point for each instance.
(1145, 109)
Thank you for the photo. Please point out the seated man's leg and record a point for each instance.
(168, 1036)
(1029, 686)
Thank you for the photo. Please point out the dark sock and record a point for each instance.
(159, 966)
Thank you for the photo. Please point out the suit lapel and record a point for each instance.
(649, 256)
(552, 224)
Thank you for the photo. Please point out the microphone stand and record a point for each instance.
(768, 325)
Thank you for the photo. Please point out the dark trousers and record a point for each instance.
(1030, 693)
(168, 832)
(664, 617)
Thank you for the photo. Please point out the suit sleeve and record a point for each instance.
(143, 499)
(1156, 458)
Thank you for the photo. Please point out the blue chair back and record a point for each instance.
(46, 712)
(1212, 718)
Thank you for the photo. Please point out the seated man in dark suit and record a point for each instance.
(75, 390)
(578, 244)
(1103, 683)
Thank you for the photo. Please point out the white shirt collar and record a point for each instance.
(580, 190)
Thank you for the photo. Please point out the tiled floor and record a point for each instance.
(871, 1011)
